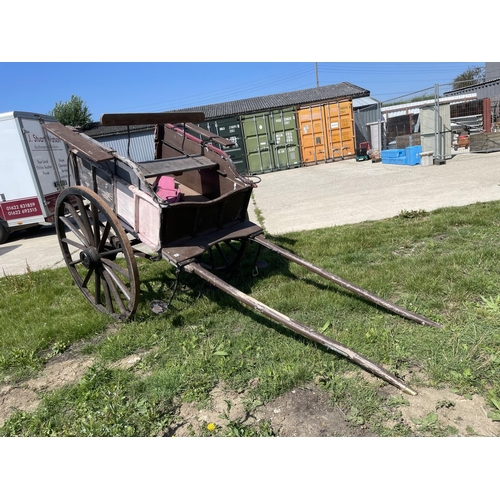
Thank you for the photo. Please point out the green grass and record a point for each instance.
(443, 264)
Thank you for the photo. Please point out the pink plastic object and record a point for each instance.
(166, 189)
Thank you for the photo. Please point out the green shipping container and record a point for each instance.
(271, 140)
(229, 128)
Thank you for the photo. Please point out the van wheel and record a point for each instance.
(4, 234)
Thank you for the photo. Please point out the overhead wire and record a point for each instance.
(224, 94)
(296, 80)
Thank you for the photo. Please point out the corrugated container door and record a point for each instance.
(340, 126)
(286, 138)
(256, 134)
(312, 134)
(229, 128)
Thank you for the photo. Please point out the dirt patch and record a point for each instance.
(61, 370)
(302, 412)
(12, 398)
(434, 409)
(306, 412)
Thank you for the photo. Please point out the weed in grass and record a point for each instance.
(491, 304)
(354, 416)
(104, 403)
(444, 404)
(429, 425)
(494, 400)
(396, 401)
(25, 360)
(412, 214)
(238, 428)
(59, 347)
(16, 283)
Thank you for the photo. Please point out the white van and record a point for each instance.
(33, 170)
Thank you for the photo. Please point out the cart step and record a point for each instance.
(194, 247)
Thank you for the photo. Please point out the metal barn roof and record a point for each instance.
(250, 105)
(365, 101)
(490, 88)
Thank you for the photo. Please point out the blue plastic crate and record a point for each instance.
(413, 155)
(388, 154)
(402, 160)
(393, 156)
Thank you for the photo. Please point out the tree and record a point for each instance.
(74, 112)
(471, 76)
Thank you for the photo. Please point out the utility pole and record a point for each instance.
(317, 77)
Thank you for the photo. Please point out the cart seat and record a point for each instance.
(166, 189)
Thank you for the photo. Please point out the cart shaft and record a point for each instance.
(300, 328)
(261, 239)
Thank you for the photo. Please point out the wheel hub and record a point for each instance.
(90, 258)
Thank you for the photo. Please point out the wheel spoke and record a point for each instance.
(87, 278)
(107, 297)
(222, 254)
(84, 216)
(110, 281)
(117, 281)
(110, 253)
(116, 267)
(104, 236)
(97, 229)
(74, 230)
(83, 229)
(73, 243)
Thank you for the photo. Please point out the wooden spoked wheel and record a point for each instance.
(223, 256)
(97, 252)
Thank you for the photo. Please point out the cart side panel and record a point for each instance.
(114, 183)
(185, 220)
(205, 182)
(125, 203)
(99, 179)
(147, 218)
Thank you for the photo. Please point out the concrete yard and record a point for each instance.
(317, 196)
(348, 192)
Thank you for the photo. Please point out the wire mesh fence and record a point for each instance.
(439, 119)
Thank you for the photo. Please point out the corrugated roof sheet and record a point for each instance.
(472, 88)
(250, 105)
(365, 101)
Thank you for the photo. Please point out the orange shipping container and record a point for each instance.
(326, 131)
(340, 129)
(312, 135)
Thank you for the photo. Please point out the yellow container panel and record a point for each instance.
(326, 131)
(312, 140)
(340, 126)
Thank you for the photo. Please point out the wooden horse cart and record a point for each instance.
(188, 206)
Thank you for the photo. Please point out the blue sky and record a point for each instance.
(125, 87)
